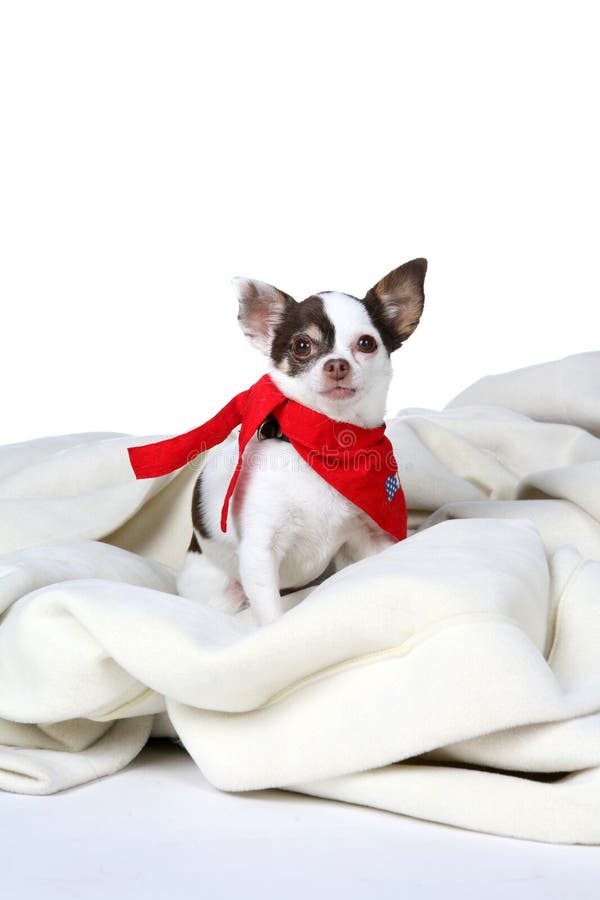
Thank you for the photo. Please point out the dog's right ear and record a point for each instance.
(262, 307)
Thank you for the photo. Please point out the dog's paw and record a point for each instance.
(231, 600)
(199, 580)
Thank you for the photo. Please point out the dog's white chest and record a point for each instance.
(299, 498)
(280, 501)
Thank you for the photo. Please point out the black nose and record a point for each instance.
(336, 369)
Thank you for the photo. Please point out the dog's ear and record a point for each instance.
(262, 307)
(396, 302)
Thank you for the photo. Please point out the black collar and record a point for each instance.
(270, 429)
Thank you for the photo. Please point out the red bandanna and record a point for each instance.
(357, 462)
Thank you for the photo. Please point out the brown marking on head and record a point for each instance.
(306, 318)
(314, 332)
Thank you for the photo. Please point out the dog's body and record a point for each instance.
(330, 353)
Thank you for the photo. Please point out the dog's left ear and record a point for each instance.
(396, 302)
(262, 307)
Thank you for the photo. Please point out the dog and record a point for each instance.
(288, 526)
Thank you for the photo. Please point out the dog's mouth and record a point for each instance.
(339, 392)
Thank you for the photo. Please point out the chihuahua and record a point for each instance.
(289, 527)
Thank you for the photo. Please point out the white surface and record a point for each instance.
(476, 638)
(159, 829)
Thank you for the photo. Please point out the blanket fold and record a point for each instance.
(454, 677)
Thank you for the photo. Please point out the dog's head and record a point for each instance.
(331, 352)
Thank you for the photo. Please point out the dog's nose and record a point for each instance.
(336, 369)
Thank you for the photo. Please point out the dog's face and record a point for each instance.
(331, 352)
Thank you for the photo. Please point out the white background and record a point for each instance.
(151, 151)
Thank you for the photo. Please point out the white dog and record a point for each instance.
(330, 353)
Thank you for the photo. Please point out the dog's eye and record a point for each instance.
(367, 344)
(302, 347)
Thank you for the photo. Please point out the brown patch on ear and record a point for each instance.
(395, 304)
(262, 308)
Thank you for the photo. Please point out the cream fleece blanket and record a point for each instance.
(454, 677)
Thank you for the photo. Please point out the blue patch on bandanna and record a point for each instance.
(391, 486)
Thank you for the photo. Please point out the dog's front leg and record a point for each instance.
(259, 575)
